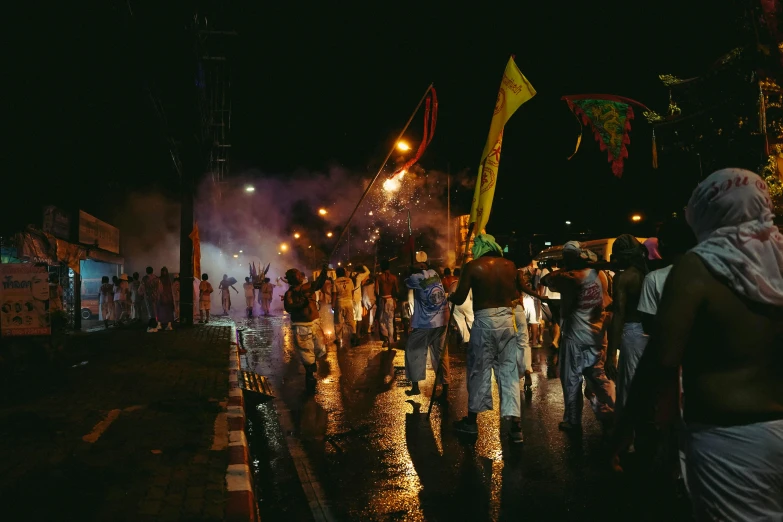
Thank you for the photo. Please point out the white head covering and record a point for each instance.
(731, 214)
(575, 247)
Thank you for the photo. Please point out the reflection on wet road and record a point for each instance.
(376, 456)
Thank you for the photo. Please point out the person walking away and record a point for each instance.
(122, 298)
(550, 305)
(386, 289)
(342, 298)
(626, 332)
(524, 356)
(137, 297)
(225, 288)
(106, 298)
(204, 298)
(325, 303)
(721, 319)
(265, 295)
(531, 304)
(249, 296)
(675, 239)
(117, 297)
(151, 286)
(165, 300)
(359, 277)
(368, 302)
(299, 301)
(493, 341)
(584, 301)
(428, 334)
(175, 291)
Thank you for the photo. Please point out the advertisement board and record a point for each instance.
(93, 231)
(56, 222)
(24, 300)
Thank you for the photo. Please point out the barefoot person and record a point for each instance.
(721, 318)
(299, 301)
(585, 298)
(428, 325)
(386, 288)
(493, 340)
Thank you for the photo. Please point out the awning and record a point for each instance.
(36, 246)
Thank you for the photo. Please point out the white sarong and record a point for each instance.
(524, 357)
(736, 472)
(420, 342)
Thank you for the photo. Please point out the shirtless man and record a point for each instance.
(585, 298)
(493, 341)
(721, 318)
(386, 288)
(626, 332)
(299, 301)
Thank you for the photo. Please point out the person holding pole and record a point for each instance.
(493, 340)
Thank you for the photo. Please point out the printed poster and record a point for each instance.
(24, 300)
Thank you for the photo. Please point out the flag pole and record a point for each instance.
(377, 175)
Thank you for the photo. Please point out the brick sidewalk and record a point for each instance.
(134, 434)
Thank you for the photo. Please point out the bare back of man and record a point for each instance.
(387, 284)
(493, 281)
(729, 347)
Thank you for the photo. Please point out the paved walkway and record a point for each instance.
(131, 434)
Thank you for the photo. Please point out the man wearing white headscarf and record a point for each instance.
(493, 340)
(585, 298)
(721, 318)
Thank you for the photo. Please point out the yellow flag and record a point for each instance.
(514, 91)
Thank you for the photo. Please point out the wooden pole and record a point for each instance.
(367, 190)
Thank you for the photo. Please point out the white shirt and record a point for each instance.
(549, 293)
(652, 289)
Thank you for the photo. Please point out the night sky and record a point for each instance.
(318, 87)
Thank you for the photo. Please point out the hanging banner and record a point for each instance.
(56, 222)
(610, 118)
(24, 300)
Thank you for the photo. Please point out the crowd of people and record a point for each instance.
(150, 299)
(705, 325)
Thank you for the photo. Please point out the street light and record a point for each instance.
(328, 234)
(250, 188)
(296, 235)
(283, 247)
(322, 211)
(240, 251)
(636, 218)
(236, 255)
(403, 146)
(568, 222)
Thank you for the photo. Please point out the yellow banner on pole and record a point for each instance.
(514, 91)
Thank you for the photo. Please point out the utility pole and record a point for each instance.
(185, 243)
(73, 236)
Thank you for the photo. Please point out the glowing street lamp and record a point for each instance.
(403, 146)
(636, 218)
(236, 255)
(250, 188)
(283, 247)
(322, 211)
(240, 251)
(328, 234)
(568, 222)
(296, 235)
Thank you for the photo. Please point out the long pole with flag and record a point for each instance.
(430, 89)
(514, 91)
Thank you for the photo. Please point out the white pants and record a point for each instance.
(736, 472)
(386, 326)
(463, 317)
(579, 362)
(632, 347)
(421, 341)
(524, 357)
(493, 346)
(357, 312)
(343, 315)
(309, 341)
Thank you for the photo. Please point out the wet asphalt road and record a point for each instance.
(377, 456)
